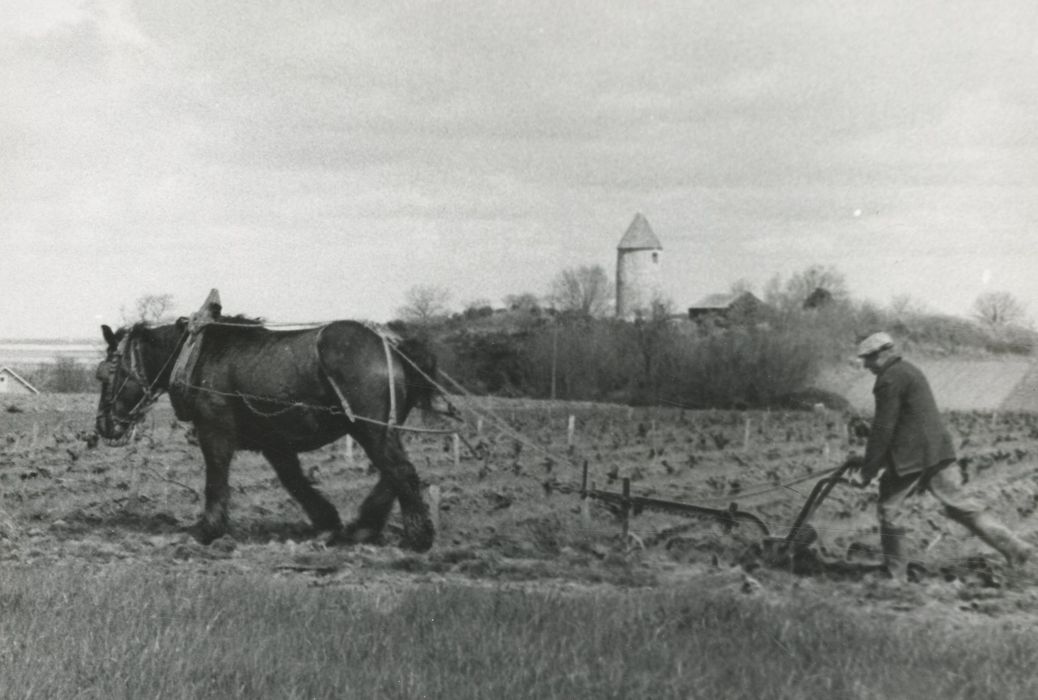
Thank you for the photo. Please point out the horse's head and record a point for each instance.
(126, 392)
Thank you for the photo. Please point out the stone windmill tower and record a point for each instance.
(637, 269)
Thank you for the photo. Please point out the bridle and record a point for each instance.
(133, 368)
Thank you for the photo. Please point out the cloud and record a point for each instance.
(489, 144)
(39, 18)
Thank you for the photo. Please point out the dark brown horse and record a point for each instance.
(280, 393)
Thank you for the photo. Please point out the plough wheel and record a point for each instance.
(709, 540)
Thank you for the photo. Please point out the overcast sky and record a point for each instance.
(314, 160)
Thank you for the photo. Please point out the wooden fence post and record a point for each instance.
(571, 426)
(457, 449)
(585, 503)
(626, 509)
(434, 506)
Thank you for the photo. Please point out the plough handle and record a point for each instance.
(818, 494)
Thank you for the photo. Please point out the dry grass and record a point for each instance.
(128, 632)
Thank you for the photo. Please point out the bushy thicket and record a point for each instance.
(63, 376)
(657, 361)
(752, 362)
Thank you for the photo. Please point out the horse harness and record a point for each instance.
(134, 371)
(151, 392)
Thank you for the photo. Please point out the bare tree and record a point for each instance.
(741, 286)
(585, 290)
(149, 308)
(424, 302)
(478, 308)
(998, 309)
(526, 301)
(903, 305)
(793, 292)
(653, 332)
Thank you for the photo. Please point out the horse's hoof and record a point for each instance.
(205, 534)
(351, 535)
(420, 542)
(420, 545)
(419, 534)
(224, 543)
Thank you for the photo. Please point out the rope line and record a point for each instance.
(289, 405)
(750, 492)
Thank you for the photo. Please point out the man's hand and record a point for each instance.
(854, 464)
(862, 481)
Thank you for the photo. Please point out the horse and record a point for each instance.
(280, 392)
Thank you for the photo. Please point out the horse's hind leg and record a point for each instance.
(321, 512)
(398, 479)
(372, 517)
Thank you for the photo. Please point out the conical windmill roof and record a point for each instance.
(639, 236)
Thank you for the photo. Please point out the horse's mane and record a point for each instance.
(236, 326)
(240, 320)
(236, 323)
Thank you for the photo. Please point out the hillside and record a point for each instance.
(728, 362)
(23, 353)
(1009, 384)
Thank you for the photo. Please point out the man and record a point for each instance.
(912, 446)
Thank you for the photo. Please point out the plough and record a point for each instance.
(800, 536)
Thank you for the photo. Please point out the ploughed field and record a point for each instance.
(509, 511)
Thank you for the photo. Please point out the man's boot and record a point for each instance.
(1001, 538)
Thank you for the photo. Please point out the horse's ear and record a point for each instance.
(108, 334)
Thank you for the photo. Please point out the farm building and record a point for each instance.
(637, 269)
(744, 305)
(12, 383)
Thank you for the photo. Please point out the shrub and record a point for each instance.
(748, 362)
(66, 376)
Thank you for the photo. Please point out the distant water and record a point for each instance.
(43, 352)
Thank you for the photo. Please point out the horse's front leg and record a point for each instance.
(218, 451)
(321, 512)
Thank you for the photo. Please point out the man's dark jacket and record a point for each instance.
(908, 434)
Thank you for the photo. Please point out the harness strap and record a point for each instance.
(335, 387)
(387, 347)
(390, 373)
(342, 399)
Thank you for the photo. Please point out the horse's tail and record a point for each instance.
(420, 369)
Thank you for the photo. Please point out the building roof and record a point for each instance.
(21, 380)
(715, 301)
(639, 236)
(724, 300)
